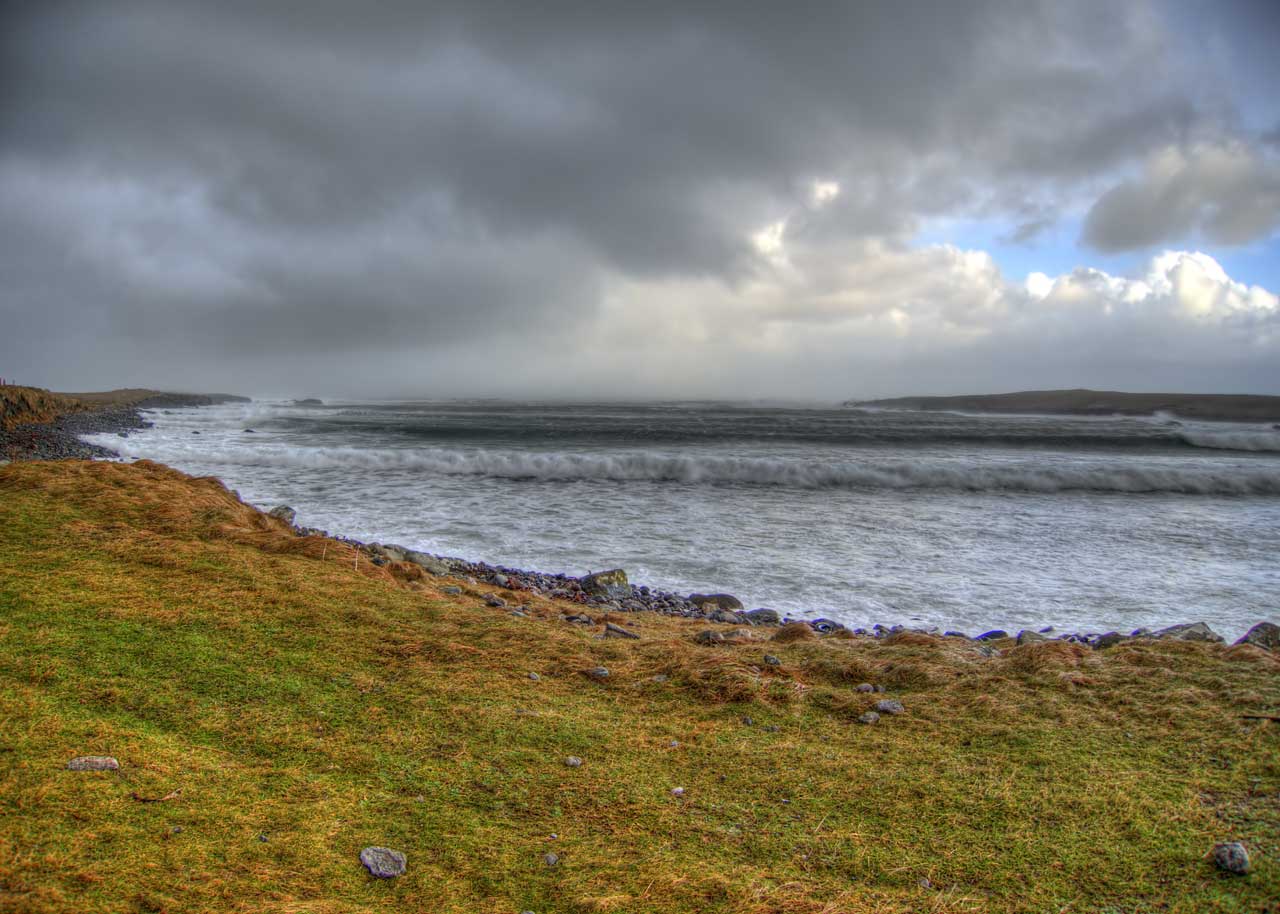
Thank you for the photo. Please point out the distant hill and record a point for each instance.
(1082, 402)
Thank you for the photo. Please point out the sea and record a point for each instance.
(925, 519)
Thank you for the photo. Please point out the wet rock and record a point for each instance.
(763, 617)
(992, 635)
(383, 862)
(889, 706)
(93, 763)
(715, 601)
(825, 626)
(617, 631)
(1189, 631)
(1265, 635)
(284, 513)
(869, 717)
(612, 584)
(1231, 857)
(1110, 639)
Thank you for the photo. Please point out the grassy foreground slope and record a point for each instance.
(292, 704)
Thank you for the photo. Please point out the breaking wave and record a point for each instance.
(711, 470)
(1233, 440)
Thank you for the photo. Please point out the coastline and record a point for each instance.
(60, 439)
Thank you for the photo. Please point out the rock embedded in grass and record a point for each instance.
(597, 673)
(706, 601)
(495, 601)
(1231, 857)
(617, 631)
(550, 859)
(771, 660)
(1026, 636)
(93, 763)
(573, 761)
(865, 687)
(284, 513)
(452, 590)
(535, 677)
(869, 717)
(1189, 631)
(763, 617)
(383, 862)
(889, 706)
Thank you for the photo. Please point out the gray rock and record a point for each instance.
(865, 687)
(93, 763)
(724, 615)
(763, 617)
(1231, 857)
(500, 579)
(771, 660)
(596, 672)
(992, 635)
(1026, 636)
(284, 513)
(1110, 639)
(573, 761)
(677, 791)
(1265, 635)
(535, 677)
(1189, 631)
(550, 859)
(451, 590)
(428, 563)
(715, 600)
(383, 862)
(494, 600)
(612, 584)
(870, 717)
(617, 631)
(825, 626)
(889, 706)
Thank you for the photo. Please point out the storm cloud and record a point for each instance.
(610, 199)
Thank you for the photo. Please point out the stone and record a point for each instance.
(1231, 857)
(597, 672)
(1265, 635)
(763, 617)
(870, 717)
(992, 635)
(1110, 639)
(677, 791)
(612, 583)
(825, 626)
(724, 615)
(711, 637)
(573, 761)
(500, 579)
(284, 513)
(535, 677)
(1026, 636)
(550, 859)
(771, 660)
(715, 600)
(1189, 631)
(383, 862)
(617, 631)
(428, 563)
(865, 687)
(93, 763)
(452, 590)
(494, 600)
(889, 706)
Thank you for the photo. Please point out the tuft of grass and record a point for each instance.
(294, 704)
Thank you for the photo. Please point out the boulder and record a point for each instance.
(612, 584)
(284, 513)
(726, 616)
(993, 635)
(825, 626)
(1110, 639)
(717, 600)
(889, 706)
(1189, 631)
(428, 562)
(383, 862)
(771, 660)
(868, 717)
(763, 617)
(1026, 636)
(597, 673)
(1265, 635)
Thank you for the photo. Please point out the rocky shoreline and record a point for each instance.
(603, 592)
(611, 592)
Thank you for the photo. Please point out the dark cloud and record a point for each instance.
(210, 185)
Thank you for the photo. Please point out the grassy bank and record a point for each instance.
(294, 704)
(28, 405)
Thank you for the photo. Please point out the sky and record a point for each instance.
(811, 201)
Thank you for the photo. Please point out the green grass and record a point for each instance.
(292, 693)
